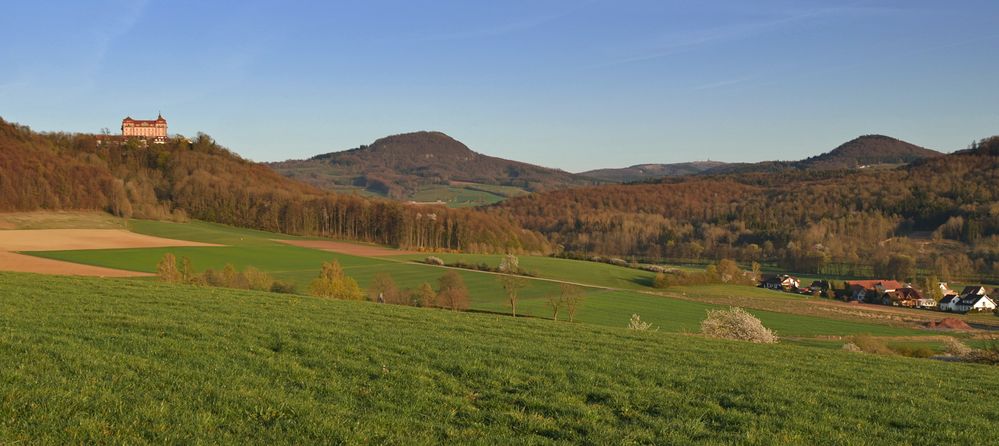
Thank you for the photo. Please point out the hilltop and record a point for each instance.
(861, 152)
(642, 172)
(400, 166)
(200, 179)
(929, 214)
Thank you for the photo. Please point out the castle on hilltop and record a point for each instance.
(149, 129)
(154, 130)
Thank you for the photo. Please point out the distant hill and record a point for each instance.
(937, 213)
(400, 166)
(641, 172)
(200, 179)
(864, 151)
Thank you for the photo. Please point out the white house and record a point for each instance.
(947, 303)
(974, 302)
(781, 282)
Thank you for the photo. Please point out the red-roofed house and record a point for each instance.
(870, 290)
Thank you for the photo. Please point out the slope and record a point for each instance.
(642, 172)
(113, 361)
(861, 152)
(836, 222)
(399, 166)
(201, 179)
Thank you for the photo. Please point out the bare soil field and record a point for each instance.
(73, 239)
(347, 248)
(20, 263)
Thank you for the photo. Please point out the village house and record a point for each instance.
(947, 303)
(907, 297)
(782, 282)
(973, 298)
(870, 290)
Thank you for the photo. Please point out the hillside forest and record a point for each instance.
(200, 179)
(938, 215)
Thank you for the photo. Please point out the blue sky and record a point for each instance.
(569, 84)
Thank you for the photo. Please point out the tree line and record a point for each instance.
(940, 212)
(200, 179)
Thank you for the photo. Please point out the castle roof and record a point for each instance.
(159, 119)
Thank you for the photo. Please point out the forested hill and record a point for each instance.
(200, 179)
(864, 151)
(940, 213)
(644, 172)
(398, 165)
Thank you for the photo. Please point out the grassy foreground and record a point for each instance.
(126, 361)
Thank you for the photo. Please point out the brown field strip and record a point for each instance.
(74, 239)
(347, 248)
(20, 263)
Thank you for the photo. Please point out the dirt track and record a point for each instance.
(347, 248)
(73, 239)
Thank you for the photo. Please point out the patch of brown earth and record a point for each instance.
(75, 239)
(21, 263)
(347, 248)
(949, 323)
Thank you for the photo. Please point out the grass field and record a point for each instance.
(608, 307)
(456, 196)
(91, 361)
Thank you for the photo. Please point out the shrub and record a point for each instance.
(431, 260)
(424, 296)
(384, 290)
(283, 287)
(871, 344)
(167, 269)
(661, 281)
(452, 292)
(333, 283)
(258, 280)
(956, 348)
(637, 324)
(851, 347)
(510, 264)
(737, 324)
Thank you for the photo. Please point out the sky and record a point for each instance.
(576, 85)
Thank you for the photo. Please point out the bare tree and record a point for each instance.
(555, 304)
(512, 285)
(572, 299)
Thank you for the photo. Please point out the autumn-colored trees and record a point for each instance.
(170, 270)
(333, 283)
(452, 292)
(202, 180)
(845, 222)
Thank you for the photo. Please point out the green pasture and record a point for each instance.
(602, 307)
(113, 361)
(455, 196)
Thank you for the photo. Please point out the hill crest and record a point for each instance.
(399, 165)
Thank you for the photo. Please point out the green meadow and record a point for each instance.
(112, 361)
(613, 293)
